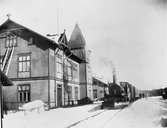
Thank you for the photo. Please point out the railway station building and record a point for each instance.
(38, 68)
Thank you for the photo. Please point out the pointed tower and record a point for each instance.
(77, 45)
(77, 40)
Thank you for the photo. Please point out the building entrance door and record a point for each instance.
(59, 95)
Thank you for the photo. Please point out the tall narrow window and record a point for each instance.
(59, 66)
(69, 92)
(74, 72)
(23, 93)
(94, 93)
(69, 70)
(76, 93)
(24, 62)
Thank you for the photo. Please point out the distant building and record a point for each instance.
(77, 45)
(35, 67)
(99, 88)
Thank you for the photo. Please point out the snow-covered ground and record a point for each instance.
(144, 113)
(59, 118)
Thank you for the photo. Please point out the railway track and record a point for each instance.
(98, 114)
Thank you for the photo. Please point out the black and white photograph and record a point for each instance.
(83, 63)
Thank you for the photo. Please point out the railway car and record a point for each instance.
(131, 92)
(164, 93)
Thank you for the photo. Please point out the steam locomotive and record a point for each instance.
(124, 92)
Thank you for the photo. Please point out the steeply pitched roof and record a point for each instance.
(63, 39)
(10, 25)
(76, 40)
(63, 45)
(77, 43)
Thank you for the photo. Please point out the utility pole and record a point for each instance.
(1, 106)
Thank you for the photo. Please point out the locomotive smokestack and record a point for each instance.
(113, 72)
(114, 76)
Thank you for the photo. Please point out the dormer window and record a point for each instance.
(11, 41)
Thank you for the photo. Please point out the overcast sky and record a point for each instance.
(132, 34)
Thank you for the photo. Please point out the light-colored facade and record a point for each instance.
(34, 68)
(71, 89)
(77, 45)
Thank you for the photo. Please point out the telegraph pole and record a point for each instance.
(1, 106)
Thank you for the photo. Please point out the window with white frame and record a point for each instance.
(69, 70)
(23, 93)
(1, 59)
(11, 41)
(76, 93)
(74, 72)
(69, 92)
(24, 62)
(59, 65)
(89, 93)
